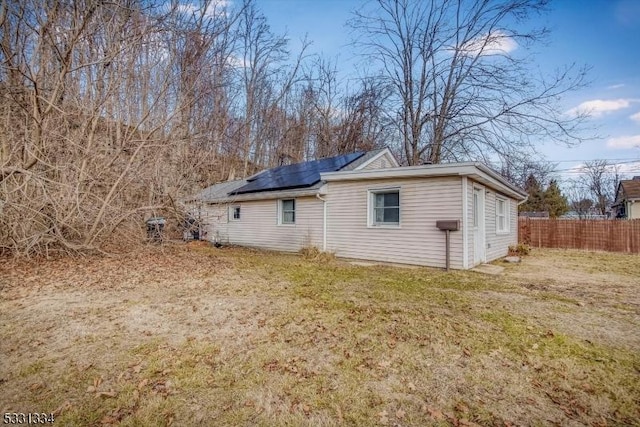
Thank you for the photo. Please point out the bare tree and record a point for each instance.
(266, 81)
(460, 90)
(363, 125)
(600, 179)
(520, 168)
(103, 105)
(322, 92)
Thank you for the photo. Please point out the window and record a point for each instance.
(502, 215)
(287, 211)
(235, 213)
(476, 209)
(384, 207)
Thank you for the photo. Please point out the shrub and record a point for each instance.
(313, 253)
(520, 249)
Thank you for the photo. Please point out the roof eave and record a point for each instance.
(382, 152)
(472, 169)
(268, 195)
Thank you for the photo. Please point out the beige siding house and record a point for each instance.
(627, 204)
(257, 225)
(370, 209)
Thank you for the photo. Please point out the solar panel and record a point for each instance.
(298, 175)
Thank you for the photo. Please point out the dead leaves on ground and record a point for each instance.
(433, 415)
(148, 266)
(134, 384)
(296, 366)
(367, 338)
(96, 390)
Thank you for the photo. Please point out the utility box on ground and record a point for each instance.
(155, 228)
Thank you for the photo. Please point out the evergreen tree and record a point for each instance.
(550, 200)
(535, 202)
(555, 202)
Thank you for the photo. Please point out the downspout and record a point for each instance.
(465, 224)
(324, 222)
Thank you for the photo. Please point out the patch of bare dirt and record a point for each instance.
(572, 295)
(579, 279)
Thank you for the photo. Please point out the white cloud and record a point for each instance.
(617, 86)
(214, 8)
(629, 169)
(626, 168)
(599, 107)
(236, 61)
(632, 141)
(635, 117)
(496, 43)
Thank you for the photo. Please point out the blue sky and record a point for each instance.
(604, 34)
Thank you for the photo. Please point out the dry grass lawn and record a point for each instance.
(191, 335)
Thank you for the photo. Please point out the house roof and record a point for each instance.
(219, 191)
(367, 158)
(534, 214)
(295, 181)
(281, 181)
(477, 171)
(631, 188)
(299, 175)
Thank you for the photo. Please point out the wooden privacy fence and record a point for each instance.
(590, 234)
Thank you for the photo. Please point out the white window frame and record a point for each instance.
(371, 197)
(281, 212)
(506, 215)
(232, 211)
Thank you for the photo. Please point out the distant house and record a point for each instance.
(364, 206)
(627, 204)
(591, 213)
(534, 214)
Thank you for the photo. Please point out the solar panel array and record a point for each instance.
(299, 175)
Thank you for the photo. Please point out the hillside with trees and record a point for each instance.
(111, 112)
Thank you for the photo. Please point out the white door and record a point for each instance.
(478, 226)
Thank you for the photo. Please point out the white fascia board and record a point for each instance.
(376, 157)
(267, 195)
(471, 169)
(400, 172)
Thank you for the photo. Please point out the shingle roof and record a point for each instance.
(219, 191)
(631, 188)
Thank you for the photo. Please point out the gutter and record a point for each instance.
(266, 195)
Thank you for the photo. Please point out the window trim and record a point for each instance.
(281, 212)
(232, 213)
(371, 193)
(506, 215)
